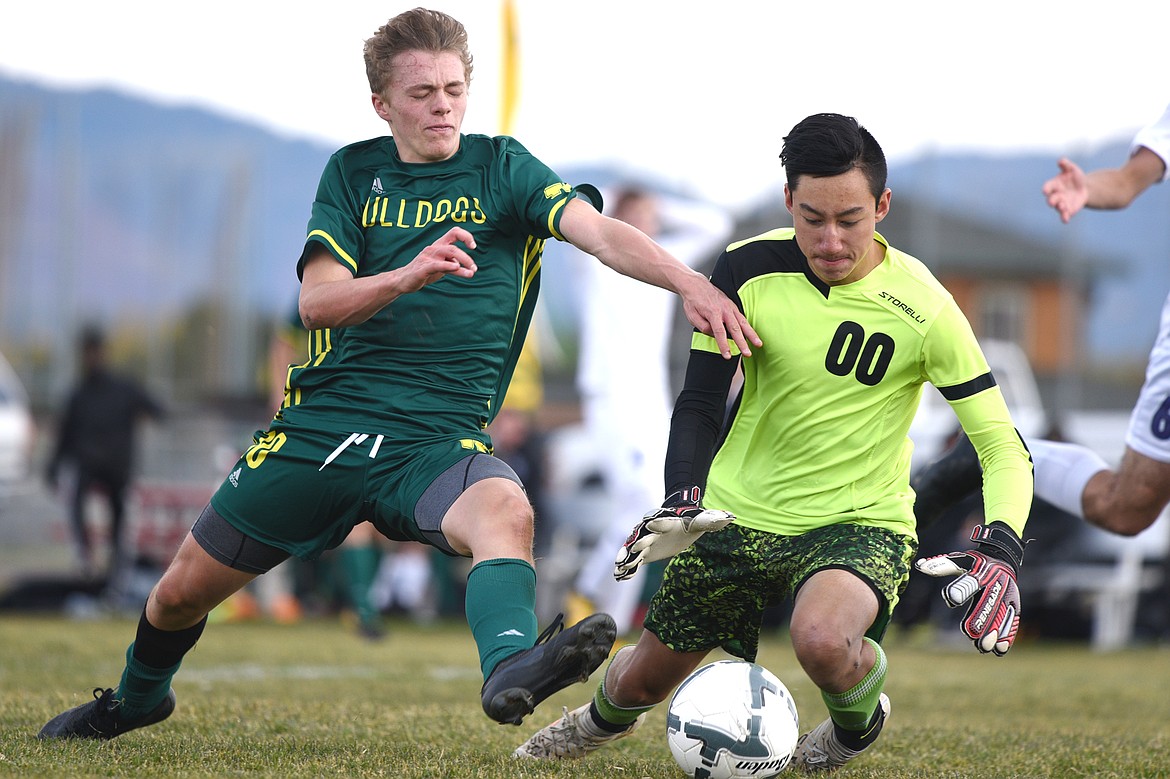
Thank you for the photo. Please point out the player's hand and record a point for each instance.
(444, 257)
(666, 531)
(987, 579)
(1067, 192)
(714, 314)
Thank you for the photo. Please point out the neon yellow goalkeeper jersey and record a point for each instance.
(819, 435)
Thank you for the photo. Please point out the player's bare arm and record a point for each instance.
(632, 253)
(1105, 189)
(332, 297)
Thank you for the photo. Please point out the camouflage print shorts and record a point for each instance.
(714, 593)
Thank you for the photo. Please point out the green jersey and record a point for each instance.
(433, 363)
(819, 435)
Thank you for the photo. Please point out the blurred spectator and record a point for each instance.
(359, 558)
(517, 440)
(623, 376)
(95, 448)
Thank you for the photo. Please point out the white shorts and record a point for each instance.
(1149, 425)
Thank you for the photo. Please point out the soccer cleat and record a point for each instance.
(558, 658)
(99, 718)
(821, 750)
(946, 481)
(573, 736)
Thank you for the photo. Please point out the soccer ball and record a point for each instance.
(732, 720)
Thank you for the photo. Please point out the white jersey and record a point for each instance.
(623, 376)
(1156, 138)
(624, 369)
(1149, 425)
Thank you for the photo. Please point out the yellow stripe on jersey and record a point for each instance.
(525, 391)
(320, 342)
(533, 251)
(344, 255)
(292, 397)
(552, 218)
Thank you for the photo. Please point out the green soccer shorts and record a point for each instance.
(302, 490)
(714, 593)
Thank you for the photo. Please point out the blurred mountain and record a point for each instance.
(116, 208)
(122, 210)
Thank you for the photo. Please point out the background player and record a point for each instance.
(625, 385)
(1070, 476)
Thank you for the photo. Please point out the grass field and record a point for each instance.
(314, 700)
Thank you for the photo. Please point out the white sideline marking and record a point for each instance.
(254, 672)
(260, 672)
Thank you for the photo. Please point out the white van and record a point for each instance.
(17, 431)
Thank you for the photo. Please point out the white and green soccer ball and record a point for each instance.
(732, 720)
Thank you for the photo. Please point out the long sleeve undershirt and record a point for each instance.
(696, 425)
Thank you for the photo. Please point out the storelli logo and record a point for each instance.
(899, 304)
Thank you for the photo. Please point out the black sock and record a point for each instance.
(604, 724)
(151, 663)
(164, 648)
(858, 740)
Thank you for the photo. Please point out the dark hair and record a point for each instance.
(832, 144)
(630, 194)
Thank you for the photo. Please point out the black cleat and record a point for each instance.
(99, 718)
(559, 658)
(946, 481)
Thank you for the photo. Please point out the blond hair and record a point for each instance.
(420, 29)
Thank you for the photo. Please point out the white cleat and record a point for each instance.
(571, 737)
(821, 750)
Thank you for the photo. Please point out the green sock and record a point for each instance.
(500, 607)
(610, 711)
(853, 709)
(143, 688)
(359, 569)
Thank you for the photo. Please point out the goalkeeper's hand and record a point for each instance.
(986, 578)
(666, 531)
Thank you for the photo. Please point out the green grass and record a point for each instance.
(314, 700)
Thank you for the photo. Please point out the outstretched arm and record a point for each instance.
(1108, 188)
(632, 253)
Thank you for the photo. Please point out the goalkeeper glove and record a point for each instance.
(986, 578)
(666, 531)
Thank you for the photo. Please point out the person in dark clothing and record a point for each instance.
(95, 442)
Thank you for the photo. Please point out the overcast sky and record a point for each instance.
(699, 93)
